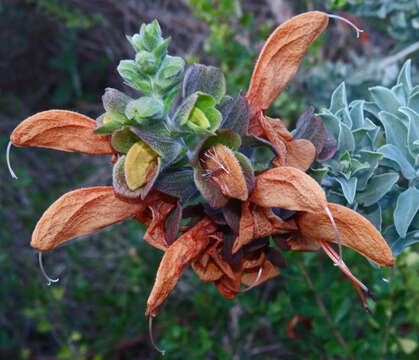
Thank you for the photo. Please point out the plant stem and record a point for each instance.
(322, 307)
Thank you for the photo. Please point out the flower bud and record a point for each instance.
(132, 75)
(114, 102)
(150, 35)
(144, 108)
(147, 62)
(169, 73)
(197, 114)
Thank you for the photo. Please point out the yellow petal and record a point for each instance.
(355, 231)
(288, 188)
(61, 130)
(280, 57)
(81, 212)
(139, 158)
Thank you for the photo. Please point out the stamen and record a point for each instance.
(41, 265)
(150, 334)
(12, 173)
(392, 276)
(332, 220)
(357, 283)
(358, 30)
(254, 282)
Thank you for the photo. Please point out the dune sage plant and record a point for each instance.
(182, 165)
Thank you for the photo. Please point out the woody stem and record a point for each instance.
(323, 309)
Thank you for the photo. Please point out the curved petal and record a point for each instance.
(175, 260)
(257, 222)
(288, 188)
(81, 212)
(355, 231)
(61, 130)
(301, 153)
(269, 271)
(280, 57)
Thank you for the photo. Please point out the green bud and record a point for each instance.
(130, 72)
(114, 102)
(169, 74)
(135, 41)
(144, 108)
(160, 51)
(150, 35)
(147, 62)
(197, 114)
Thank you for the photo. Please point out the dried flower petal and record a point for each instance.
(280, 57)
(301, 154)
(257, 222)
(269, 271)
(61, 130)
(356, 232)
(224, 169)
(176, 259)
(209, 273)
(298, 242)
(288, 188)
(81, 212)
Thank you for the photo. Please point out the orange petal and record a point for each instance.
(257, 222)
(209, 273)
(298, 242)
(276, 132)
(225, 170)
(355, 231)
(288, 188)
(228, 287)
(81, 212)
(301, 154)
(280, 57)
(160, 206)
(61, 130)
(269, 271)
(176, 259)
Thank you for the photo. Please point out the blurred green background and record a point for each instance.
(62, 54)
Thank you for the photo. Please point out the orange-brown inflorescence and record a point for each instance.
(229, 247)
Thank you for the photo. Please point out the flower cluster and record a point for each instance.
(183, 167)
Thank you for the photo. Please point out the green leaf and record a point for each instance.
(108, 128)
(413, 101)
(348, 188)
(114, 102)
(206, 79)
(377, 187)
(385, 99)
(167, 147)
(407, 207)
(236, 115)
(178, 183)
(346, 142)
(169, 73)
(123, 139)
(405, 78)
(393, 153)
(331, 122)
(395, 132)
(357, 115)
(398, 244)
(145, 108)
(373, 214)
(338, 100)
(413, 129)
(133, 77)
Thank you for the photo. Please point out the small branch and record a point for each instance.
(388, 327)
(399, 56)
(319, 301)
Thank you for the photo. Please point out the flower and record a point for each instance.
(160, 162)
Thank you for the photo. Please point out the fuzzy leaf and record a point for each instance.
(393, 153)
(312, 129)
(247, 169)
(209, 189)
(206, 79)
(61, 130)
(377, 187)
(346, 142)
(236, 115)
(413, 129)
(133, 77)
(348, 188)
(405, 78)
(119, 182)
(280, 57)
(357, 115)
(114, 102)
(123, 139)
(406, 208)
(413, 101)
(144, 108)
(398, 244)
(178, 183)
(385, 99)
(338, 100)
(167, 147)
(329, 147)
